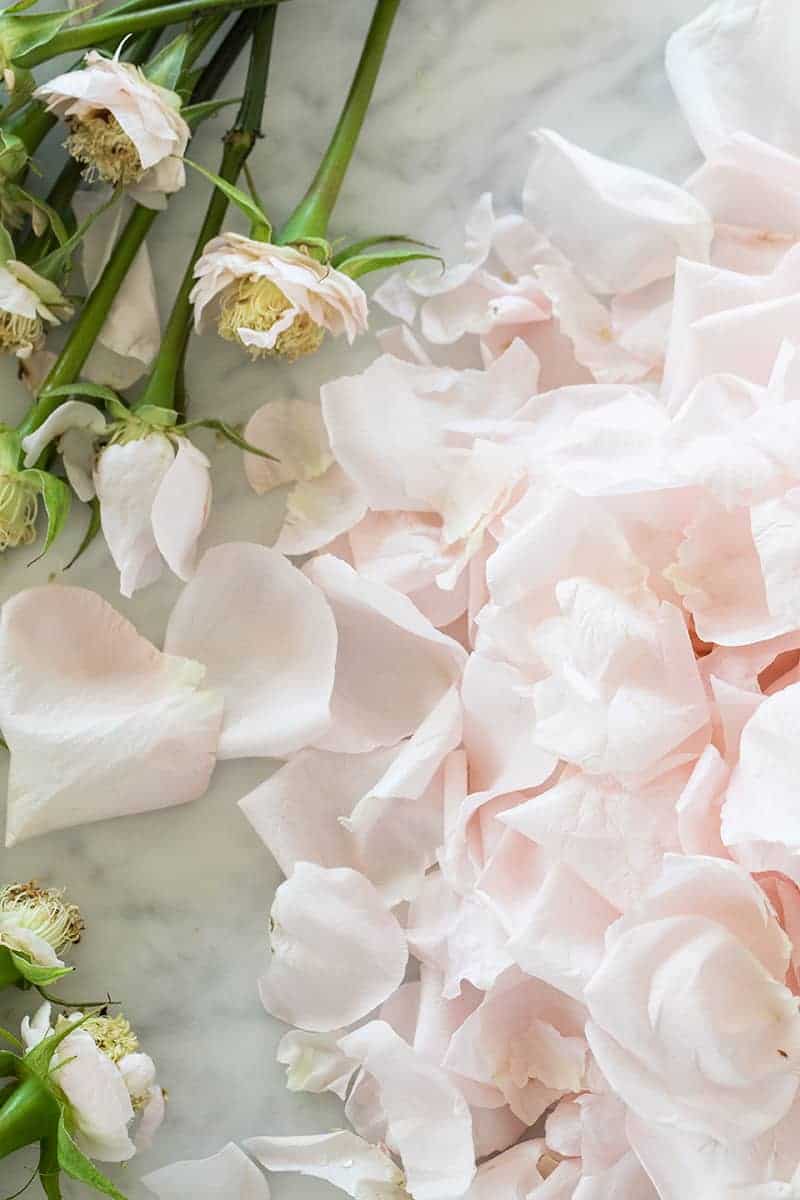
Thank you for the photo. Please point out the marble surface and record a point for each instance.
(177, 902)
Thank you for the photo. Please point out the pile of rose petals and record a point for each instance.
(537, 690)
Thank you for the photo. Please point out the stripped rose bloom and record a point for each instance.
(123, 128)
(108, 1083)
(275, 301)
(27, 302)
(38, 923)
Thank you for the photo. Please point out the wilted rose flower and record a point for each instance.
(274, 300)
(125, 129)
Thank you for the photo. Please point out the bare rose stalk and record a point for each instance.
(278, 297)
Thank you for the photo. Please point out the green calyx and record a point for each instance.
(17, 970)
(34, 1110)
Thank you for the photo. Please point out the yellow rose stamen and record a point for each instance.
(42, 910)
(19, 504)
(257, 303)
(99, 141)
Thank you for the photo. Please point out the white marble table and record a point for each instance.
(177, 902)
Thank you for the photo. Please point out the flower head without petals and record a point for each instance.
(38, 921)
(19, 504)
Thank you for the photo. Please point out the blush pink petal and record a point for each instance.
(314, 1062)
(428, 1121)
(388, 426)
(619, 226)
(268, 639)
(614, 837)
(730, 67)
(229, 1173)
(319, 511)
(690, 1015)
(499, 719)
(392, 666)
(340, 1158)
(181, 507)
(760, 805)
(99, 722)
(294, 432)
(459, 936)
(337, 950)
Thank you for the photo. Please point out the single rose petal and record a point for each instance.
(229, 1173)
(294, 432)
(392, 666)
(99, 722)
(760, 804)
(315, 1063)
(180, 508)
(320, 510)
(340, 1158)
(427, 1119)
(337, 950)
(730, 69)
(268, 639)
(620, 227)
(99, 1104)
(72, 414)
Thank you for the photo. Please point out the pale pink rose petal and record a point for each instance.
(619, 226)
(718, 574)
(151, 1118)
(699, 806)
(392, 666)
(751, 190)
(181, 507)
(318, 511)
(294, 432)
(623, 691)
(526, 1039)
(730, 69)
(99, 722)
(691, 1021)
(513, 1175)
(494, 1130)
(760, 803)
(406, 552)
(337, 950)
(727, 323)
(229, 1173)
(682, 1163)
(268, 639)
(388, 426)
(499, 718)
(379, 812)
(400, 342)
(298, 811)
(614, 837)
(589, 326)
(127, 478)
(428, 1121)
(341, 1158)
(314, 1062)
(459, 936)
(559, 939)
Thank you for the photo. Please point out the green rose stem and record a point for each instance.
(119, 25)
(311, 217)
(165, 385)
(84, 332)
